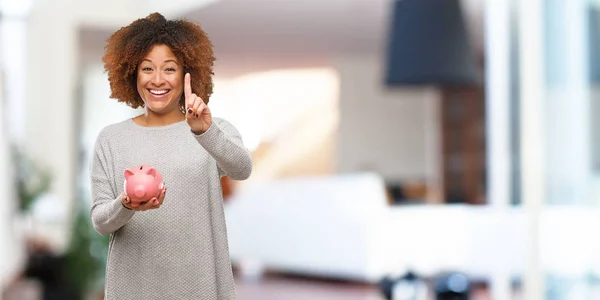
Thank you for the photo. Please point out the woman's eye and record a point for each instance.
(146, 69)
(170, 69)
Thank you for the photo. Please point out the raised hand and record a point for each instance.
(198, 114)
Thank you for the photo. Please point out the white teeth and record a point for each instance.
(158, 92)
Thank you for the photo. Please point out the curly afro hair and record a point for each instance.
(128, 46)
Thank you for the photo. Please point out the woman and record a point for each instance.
(173, 246)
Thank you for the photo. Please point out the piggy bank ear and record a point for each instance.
(151, 171)
(128, 173)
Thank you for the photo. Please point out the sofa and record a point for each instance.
(342, 227)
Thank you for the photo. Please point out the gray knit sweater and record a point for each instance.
(178, 251)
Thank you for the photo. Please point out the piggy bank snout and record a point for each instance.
(144, 187)
(140, 192)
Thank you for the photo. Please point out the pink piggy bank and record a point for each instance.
(142, 184)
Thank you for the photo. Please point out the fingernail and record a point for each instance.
(189, 111)
(155, 202)
(196, 115)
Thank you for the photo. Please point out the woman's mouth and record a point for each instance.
(158, 93)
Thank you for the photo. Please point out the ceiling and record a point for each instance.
(251, 35)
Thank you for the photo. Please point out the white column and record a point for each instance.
(12, 128)
(51, 70)
(498, 45)
(531, 54)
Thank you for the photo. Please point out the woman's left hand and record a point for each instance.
(198, 114)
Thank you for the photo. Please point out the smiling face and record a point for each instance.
(160, 80)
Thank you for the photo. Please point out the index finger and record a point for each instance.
(187, 88)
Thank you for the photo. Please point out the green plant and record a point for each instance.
(32, 180)
(86, 254)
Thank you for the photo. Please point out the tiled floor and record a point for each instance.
(295, 288)
(284, 287)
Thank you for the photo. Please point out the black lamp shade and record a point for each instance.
(429, 44)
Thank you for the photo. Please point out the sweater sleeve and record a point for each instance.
(224, 143)
(107, 212)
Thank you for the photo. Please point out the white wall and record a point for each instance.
(98, 111)
(567, 125)
(390, 131)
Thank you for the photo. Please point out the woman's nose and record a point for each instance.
(157, 78)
